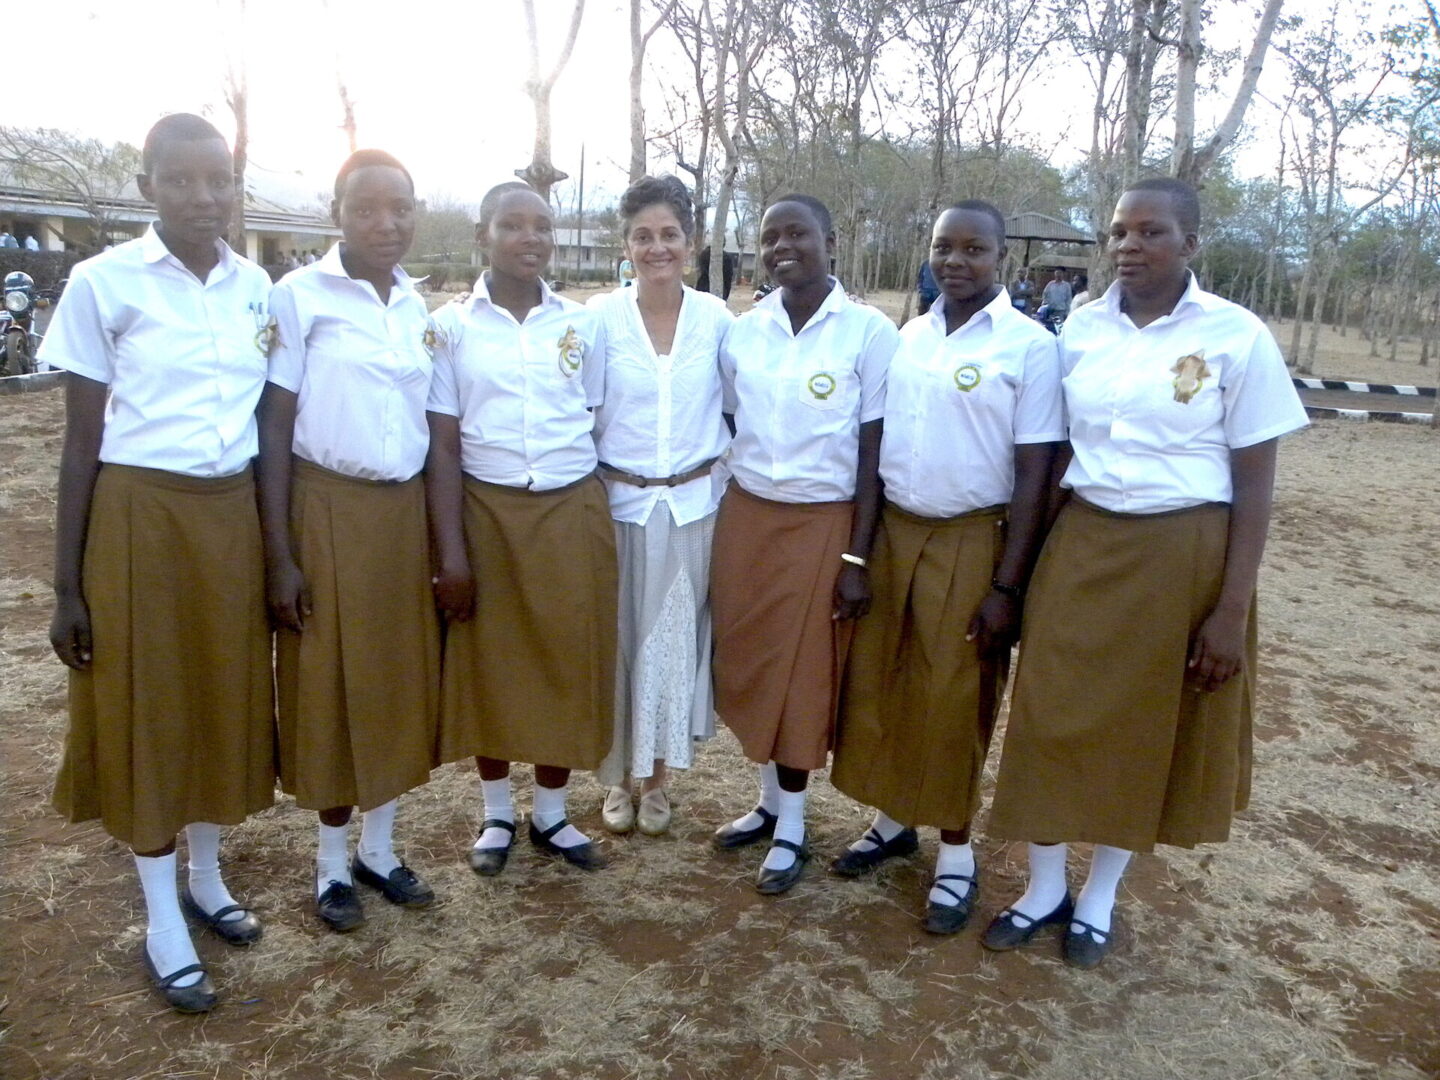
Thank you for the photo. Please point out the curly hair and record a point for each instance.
(651, 191)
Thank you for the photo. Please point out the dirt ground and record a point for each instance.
(1309, 946)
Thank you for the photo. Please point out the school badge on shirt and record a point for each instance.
(267, 333)
(432, 338)
(967, 377)
(572, 351)
(1190, 375)
(821, 385)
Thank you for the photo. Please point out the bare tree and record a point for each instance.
(639, 40)
(91, 172)
(237, 97)
(541, 173)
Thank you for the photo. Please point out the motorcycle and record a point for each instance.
(1050, 318)
(17, 323)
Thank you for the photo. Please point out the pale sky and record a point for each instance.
(437, 84)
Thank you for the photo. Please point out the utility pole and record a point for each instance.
(580, 213)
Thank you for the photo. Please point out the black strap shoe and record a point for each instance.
(1087, 948)
(1011, 929)
(774, 882)
(245, 930)
(950, 918)
(728, 836)
(401, 886)
(586, 856)
(489, 861)
(199, 998)
(339, 907)
(853, 862)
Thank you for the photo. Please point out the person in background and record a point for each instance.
(1055, 300)
(926, 287)
(31, 243)
(1082, 292)
(1022, 291)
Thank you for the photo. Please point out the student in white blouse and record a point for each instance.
(358, 641)
(1131, 717)
(660, 435)
(159, 576)
(972, 419)
(522, 532)
(804, 377)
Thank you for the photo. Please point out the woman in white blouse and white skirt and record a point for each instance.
(660, 435)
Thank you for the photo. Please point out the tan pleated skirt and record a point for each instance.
(359, 689)
(532, 676)
(778, 651)
(918, 706)
(1108, 741)
(173, 722)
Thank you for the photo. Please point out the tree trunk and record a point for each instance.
(1317, 315)
(541, 173)
(1302, 295)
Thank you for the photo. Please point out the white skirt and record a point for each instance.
(663, 697)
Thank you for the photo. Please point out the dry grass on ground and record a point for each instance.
(1309, 946)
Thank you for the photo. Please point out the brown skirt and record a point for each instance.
(359, 690)
(918, 706)
(173, 721)
(778, 651)
(1108, 741)
(532, 676)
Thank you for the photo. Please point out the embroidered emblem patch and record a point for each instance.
(821, 385)
(572, 351)
(967, 377)
(1190, 375)
(267, 338)
(432, 339)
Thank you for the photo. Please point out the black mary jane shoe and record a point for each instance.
(489, 861)
(728, 836)
(402, 886)
(951, 918)
(1087, 948)
(851, 863)
(1005, 932)
(339, 907)
(774, 882)
(199, 998)
(586, 856)
(245, 930)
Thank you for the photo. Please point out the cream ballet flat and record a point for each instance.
(654, 815)
(618, 813)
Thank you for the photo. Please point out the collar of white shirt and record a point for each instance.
(481, 294)
(1193, 294)
(153, 250)
(331, 263)
(991, 311)
(774, 303)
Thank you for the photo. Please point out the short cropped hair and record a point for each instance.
(1184, 199)
(651, 191)
(363, 159)
(176, 127)
(491, 202)
(990, 210)
(814, 205)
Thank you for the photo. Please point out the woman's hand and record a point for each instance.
(995, 624)
(454, 592)
(287, 596)
(852, 592)
(1218, 649)
(70, 632)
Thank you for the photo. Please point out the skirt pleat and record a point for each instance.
(173, 721)
(1109, 741)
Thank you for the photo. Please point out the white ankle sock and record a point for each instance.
(1047, 881)
(377, 839)
(332, 861)
(789, 826)
(1097, 898)
(548, 810)
(769, 799)
(500, 805)
(202, 841)
(954, 859)
(886, 826)
(166, 937)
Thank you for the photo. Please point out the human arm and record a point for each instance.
(996, 622)
(286, 592)
(1219, 646)
(79, 466)
(444, 500)
(852, 584)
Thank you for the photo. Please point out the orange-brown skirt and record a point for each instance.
(359, 689)
(173, 722)
(778, 651)
(918, 706)
(532, 676)
(1108, 741)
